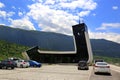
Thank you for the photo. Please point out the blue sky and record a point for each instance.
(101, 16)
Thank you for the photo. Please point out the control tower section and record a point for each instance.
(82, 41)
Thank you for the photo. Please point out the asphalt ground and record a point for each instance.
(46, 72)
(115, 74)
(57, 72)
(103, 76)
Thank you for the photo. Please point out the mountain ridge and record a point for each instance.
(32, 38)
(56, 41)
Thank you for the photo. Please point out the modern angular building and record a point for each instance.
(82, 50)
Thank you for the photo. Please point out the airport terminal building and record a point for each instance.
(82, 50)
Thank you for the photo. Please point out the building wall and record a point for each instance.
(82, 47)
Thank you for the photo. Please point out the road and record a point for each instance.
(115, 74)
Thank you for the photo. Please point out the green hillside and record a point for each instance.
(11, 50)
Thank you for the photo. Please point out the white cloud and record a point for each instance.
(2, 5)
(115, 7)
(94, 14)
(84, 13)
(83, 4)
(23, 23)
(20, 13)
(37, 0)
(50, 16)
(5, 14)
(9, 14)
(13, 7)
(105, 26)
(2, 24)
(103, 35)
(50, 2)
(106, 35)
(52, 20)
(90, 5)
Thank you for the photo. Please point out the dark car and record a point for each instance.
(7, 64)
(83, 65)
(34, 63)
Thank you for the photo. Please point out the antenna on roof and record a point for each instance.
(81, 20)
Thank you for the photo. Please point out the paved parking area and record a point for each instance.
(46, 72)
(115, 74)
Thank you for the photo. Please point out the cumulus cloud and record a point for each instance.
(51, 15)
(94, 14)
(50, 2)
(54, 15)
(104, 35)
(84, 13)
(23, 23)
(13, 7)
(83, 4)
(115, 7)
(5, 14)
(52, 20)
(105, 26)
(9, 14)
(2, 5)
(20, 13)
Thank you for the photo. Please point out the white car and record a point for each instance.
(23, 64)
(101, 67)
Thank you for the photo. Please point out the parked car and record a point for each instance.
(101, 67)
(7, 64)
(34, 63)
(83, 65)
(14, 60)
(22, 63)
(98, 60)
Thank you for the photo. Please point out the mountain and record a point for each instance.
(56, 41)
(45, 40)
(102, 47)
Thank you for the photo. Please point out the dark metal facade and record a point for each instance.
(80, 41)
(80, 44)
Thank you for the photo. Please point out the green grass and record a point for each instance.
(11, 50)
